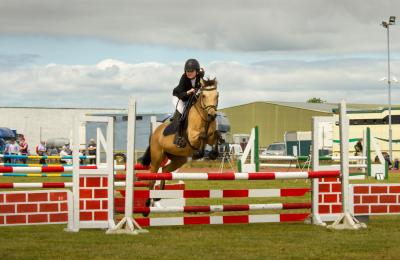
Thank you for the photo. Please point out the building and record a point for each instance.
(377, 119)
(42, 123)
(274, 119)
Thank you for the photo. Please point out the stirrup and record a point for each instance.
(179, 141)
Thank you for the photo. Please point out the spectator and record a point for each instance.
(12, 148)
(358, 148)
(388, 160)
(64, 152)
(2, 147)
(23, 149)
(92, 150)
(68, 149)
(41, 150)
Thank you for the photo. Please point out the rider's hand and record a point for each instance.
(191, 91)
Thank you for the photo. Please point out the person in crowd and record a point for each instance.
(358, 148)
(12, 148)
(92, 150)
(41, 150)
(23, 149)
(2, 147)
(64, 152)
(388, 160)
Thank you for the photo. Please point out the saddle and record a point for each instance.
(173, 125)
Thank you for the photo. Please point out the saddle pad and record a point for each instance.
(170, 129)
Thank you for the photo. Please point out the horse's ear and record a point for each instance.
(215, 81)
(202, 82)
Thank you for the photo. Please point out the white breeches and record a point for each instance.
(178, 104)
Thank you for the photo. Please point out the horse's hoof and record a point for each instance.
(213, 155)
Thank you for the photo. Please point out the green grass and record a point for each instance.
(254, 241)
(380, 240)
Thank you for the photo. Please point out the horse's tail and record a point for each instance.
(146, 158)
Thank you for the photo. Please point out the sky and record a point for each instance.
(96, 53)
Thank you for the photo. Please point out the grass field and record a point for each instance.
(253, 241)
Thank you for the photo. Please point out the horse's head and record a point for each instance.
(209, 97)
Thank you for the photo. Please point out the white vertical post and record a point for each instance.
(346, 220)
(75, 174)
(344, 155)
(131, 227)
(110, 169)
(98, 146)
(315, 217)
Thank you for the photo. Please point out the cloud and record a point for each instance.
(109, 83)
(274, 25)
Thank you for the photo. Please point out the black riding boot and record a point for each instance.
(179, 139)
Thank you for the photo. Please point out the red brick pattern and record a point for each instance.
(93, 200)
(376, 199)
(368, 199)
(33, 207)
(329, 196)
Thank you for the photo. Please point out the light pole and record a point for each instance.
(392, 20)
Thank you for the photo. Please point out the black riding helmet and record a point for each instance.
(192, 64)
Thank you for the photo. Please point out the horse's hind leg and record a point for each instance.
(175, 163)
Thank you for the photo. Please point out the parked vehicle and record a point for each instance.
(275, 149)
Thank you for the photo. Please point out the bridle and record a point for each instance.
(207, 108)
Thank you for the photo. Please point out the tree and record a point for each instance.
(316, 100)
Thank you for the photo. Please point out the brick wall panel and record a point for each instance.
(104, 204)
(379, 189)
(324, 187)
(324, 209)
(361, 209)
(16, 219)
(100, 215)
(104, 182)
(86, 215)
(48, 207)
(58, 196)
(361, 190)
(379, 209)
(15, 197)
(10, 208)
(387, 199)
(85, 193)
(93, 182)
(331, 198)
(38, 218)
(59, 217)
(394, 189)
(81, 182)
(100, 193)
(394, 208)
(24, 208)
(93, 204)
(368, 199)
(34, 197)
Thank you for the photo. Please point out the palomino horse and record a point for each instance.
(201, 130)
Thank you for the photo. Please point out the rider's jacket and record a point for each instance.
(184, 85)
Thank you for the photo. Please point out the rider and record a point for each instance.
(188, 84)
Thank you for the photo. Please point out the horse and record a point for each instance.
(201, 130)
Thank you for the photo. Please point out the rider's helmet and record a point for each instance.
(192, 64)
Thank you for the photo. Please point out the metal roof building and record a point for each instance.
(276, 118)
